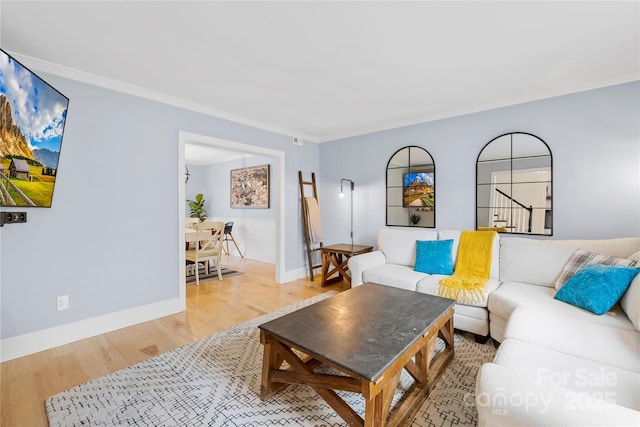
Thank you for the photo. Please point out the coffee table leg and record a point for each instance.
(270, 360)
(377, 407)
(373, 411)
(301, 372)
(446, 333)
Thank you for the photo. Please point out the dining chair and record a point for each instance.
(207, 248)
(229, 237)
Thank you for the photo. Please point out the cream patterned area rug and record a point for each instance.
(216, 382)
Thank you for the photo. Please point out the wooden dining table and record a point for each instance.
(190, 235)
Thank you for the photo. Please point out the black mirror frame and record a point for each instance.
(409, 167)
(548, 219)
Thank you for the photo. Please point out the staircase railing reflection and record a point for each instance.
(509, 216)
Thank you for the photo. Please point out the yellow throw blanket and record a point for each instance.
(472, 268)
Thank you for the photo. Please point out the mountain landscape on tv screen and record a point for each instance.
(46, 157)
(12, 141)
(32, 118)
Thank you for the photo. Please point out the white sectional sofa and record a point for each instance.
(556, 371)
(528, 268)
(557, 364)
(393, 262)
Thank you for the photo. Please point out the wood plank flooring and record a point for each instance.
(213, 306)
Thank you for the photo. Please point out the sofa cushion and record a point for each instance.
(471, 319)
(539, 261)
(431, 284)
(510, 295)
(630, 302)
(471, 311)
(532, 261)
(588, 340)
(434, 256)
(597, 287)
(503, 398)
(548, 367)
(497, 326)
(398, 276)
(581, 258)
(399, 246)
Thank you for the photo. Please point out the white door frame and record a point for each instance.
(208, 141)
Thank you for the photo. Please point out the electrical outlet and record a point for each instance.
(63, 302)
(12, 217)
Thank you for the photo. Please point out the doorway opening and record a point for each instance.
(277, 201)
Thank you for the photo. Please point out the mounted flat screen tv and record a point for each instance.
(32, 119)
(418, 190)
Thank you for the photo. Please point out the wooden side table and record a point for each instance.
(335, 258)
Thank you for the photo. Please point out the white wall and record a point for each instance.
(594, 137)
(255, 238)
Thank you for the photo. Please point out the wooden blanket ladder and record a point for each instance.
(307, 220)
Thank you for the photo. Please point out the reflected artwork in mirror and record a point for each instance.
(514, 185)
(411, 197)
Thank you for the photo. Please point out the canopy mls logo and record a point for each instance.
(580, 377)
(578, 390)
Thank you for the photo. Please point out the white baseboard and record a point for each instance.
(12, 348)
(23, 345)
(300, 273)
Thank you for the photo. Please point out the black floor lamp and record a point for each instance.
(342, 194)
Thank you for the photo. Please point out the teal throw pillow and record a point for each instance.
(434, 256)
(597, 287)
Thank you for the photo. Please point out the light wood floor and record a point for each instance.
(213, 306)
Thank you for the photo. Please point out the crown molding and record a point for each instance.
(96, 80)
(115, 85)
(463, 111)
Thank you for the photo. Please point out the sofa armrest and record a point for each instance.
(359, 263)
(504, 399)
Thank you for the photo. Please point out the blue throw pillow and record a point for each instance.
(597, 287)
(434, 256)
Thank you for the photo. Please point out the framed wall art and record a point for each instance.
(250, 187)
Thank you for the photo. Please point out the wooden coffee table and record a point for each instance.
(369, 334)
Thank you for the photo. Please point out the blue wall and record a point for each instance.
(110, 241)
(594, 137)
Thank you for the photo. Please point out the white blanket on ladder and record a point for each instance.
(314, 223)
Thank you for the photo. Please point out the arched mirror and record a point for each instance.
(411, 197)
(514, 185)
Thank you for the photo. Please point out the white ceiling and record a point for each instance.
(327, 70)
